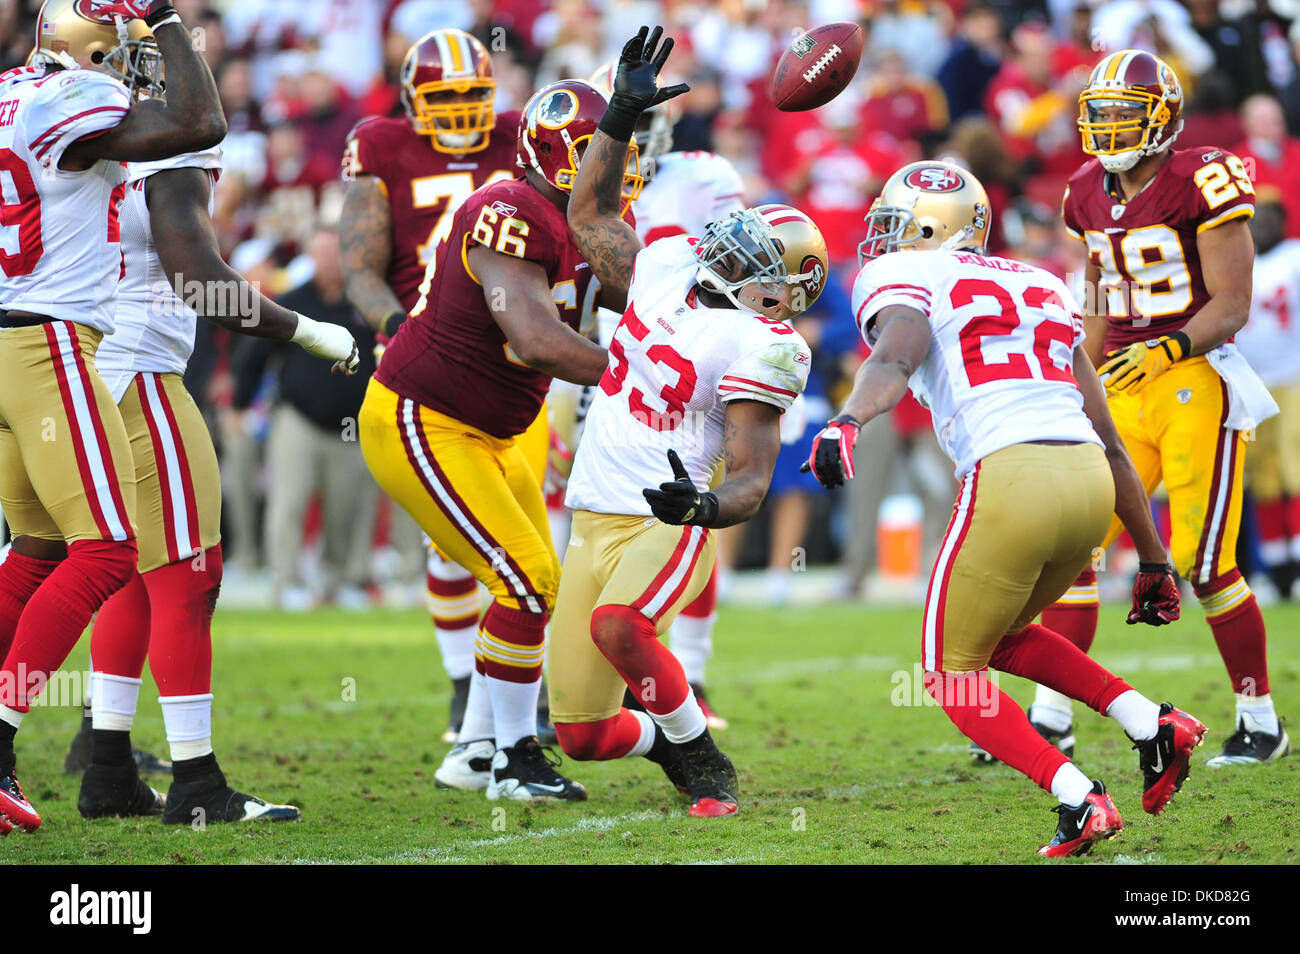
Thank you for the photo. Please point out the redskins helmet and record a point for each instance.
(1132, 80)
(450, 61)
(557, 125)
(72, 33)
(931, 202)
(774, 245)
(654, 130)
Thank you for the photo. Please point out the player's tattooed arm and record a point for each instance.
(606, 241)
(751, 443)
(366, 246)
(190, 120)
(1227, 261)
(1131, 503)
(902, 343)
(518, 295)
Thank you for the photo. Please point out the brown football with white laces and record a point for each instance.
(817, 66)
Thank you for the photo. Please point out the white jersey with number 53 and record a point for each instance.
(674, 365)
(59, 230)
(1002, 339)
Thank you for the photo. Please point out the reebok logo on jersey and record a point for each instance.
(503, 208)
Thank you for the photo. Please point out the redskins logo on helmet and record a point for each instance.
(654, 129)
(448, 90)
(557, 126)
(73, 33)
(927, 205)
(777, 248)
(1130, 109)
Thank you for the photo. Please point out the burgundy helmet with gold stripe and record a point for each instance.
(447, 89)
(1128, 92)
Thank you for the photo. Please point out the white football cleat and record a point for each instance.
(467, 767)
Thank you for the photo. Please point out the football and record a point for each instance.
(817, 66)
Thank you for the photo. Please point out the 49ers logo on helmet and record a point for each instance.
(934, 179)
(96, 11)
(812, 266)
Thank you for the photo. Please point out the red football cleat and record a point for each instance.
(1095, 819)
(1166, 760)
(710, 779)
(15, 809)
(713, 808)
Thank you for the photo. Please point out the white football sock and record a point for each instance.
(188, 721)
(1071, 786)
(477, 723)
(684, 723)
(647, 738)
(1052, 709)
(691, 640)
(1136, 714)
(116, 698)
(457, 648)
(514, 709)
(12, 716)
(1260, 709)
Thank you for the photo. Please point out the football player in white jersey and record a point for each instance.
(171, 265)
(994, 348)
(1270, 342)
(702, 366)
(66, 483)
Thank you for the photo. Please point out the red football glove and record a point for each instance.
(1155, 595)
(831, 459)
(131, 9)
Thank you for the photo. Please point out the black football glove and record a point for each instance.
(1155, 595)
(831, 460)
(678, 502)
(636, 85)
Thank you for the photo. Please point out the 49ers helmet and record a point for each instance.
(773, 245)
(928, 204)
(450, 61)
(556, 128)
(1132, 79)
(73, 33)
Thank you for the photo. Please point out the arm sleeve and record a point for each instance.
(774, 373)
(72, 105)
(883, 283)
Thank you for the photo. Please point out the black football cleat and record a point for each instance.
(1250, 746)
(1166, 759)
(459, 699)
(710, 779)
(117, 791)
(209, 799)
(15, 810)
(79, 757)
(1079, 828)
(525, 772)
(669, 758)
(711, 718)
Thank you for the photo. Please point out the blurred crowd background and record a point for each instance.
(991, 84)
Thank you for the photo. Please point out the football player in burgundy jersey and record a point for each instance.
(1169, 278)
(464, 377)
(408, 176)
(67, 487)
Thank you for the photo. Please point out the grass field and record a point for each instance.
(830, 770)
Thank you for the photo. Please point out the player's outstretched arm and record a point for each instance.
(518, 294)
(595, 209)
(366, 244)
(190, 120)
(191, 258)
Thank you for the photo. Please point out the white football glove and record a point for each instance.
(326, 340)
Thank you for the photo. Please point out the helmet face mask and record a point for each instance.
(927, 205)
(448, 91)
(770, 259)
(1131, 109)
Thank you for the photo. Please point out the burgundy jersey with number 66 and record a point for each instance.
(1151, 276)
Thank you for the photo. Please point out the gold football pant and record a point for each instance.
(65, 460)
(653, 567)
(1273, 467)
(1025, 523)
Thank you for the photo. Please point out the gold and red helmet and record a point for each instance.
(927, 204)
(448, 90)
(775, 246)
(79, 33)
(556, 127)
(1129, 92)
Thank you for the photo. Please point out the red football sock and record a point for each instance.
(60, 610)
(610, 738)
(628, 640)
(702, 606)
(512, 644)
(20, 576)
(1050, 659)
(119, 640)
(991, 719)
(445, 598)
(1074, 616)
(182, 597)
(1238, 625)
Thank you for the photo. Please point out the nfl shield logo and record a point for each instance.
(1116, 211)
(1184, 395)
